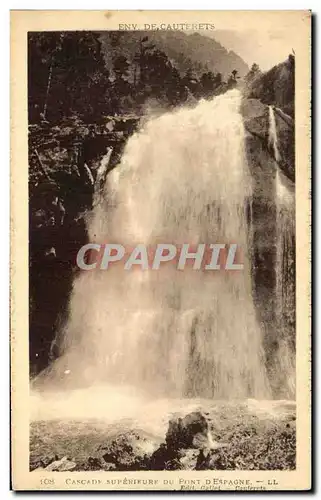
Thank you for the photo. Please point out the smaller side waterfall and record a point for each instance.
(285, 270)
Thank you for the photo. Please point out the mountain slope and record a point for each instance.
(193, 51)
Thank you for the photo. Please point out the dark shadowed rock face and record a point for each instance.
(186, 432)
(56, 232)
(185, 439)
(256, 122)
(275, 89)
(256, 118)
(167, 458)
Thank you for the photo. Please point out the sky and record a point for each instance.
(264, 48)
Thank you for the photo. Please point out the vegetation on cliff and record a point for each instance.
(275, 87)
(90, 74)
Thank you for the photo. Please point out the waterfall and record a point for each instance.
(285, 270)
(183, 178)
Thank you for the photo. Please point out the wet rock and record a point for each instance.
(256, 118)
(94, 464)
(34, 464)
(128, 451)
(49, 460)
(201, 441)
(62, 465)
(189, 432)
(256, 122)
(110, 125)
(37, 464)
(109, 466)
(187, 444)
(188, 459)
(164, 458)
(202, 460)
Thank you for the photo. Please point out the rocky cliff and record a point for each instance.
(272, 93)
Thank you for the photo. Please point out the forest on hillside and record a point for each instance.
(83, 75)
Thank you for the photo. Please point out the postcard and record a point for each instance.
(160, 250)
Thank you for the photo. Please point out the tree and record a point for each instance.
(66, 75)
(175, 89)
(234, 73)
(291, 60)
(190, 81)
(140, 60)
(253, 73)
(255, 68)
(207, 84)
(218, 79)
(120, 67)
(155, 72)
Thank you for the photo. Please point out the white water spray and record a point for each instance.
(139, 344)
(182, 179)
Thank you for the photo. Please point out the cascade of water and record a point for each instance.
(285, 271)
(183, 179)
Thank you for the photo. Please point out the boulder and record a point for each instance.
(192, 431)
(188, 444)
(188, 459)
(128, 451)
(166, 458)
(62, 465)
(42, 463)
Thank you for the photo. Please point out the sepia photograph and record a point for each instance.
(162, 252)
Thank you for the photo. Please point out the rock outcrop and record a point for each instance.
(218, 436)
(190, 431)
(188, 444)
(256, 122)
(62, 465)
(128, 451)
